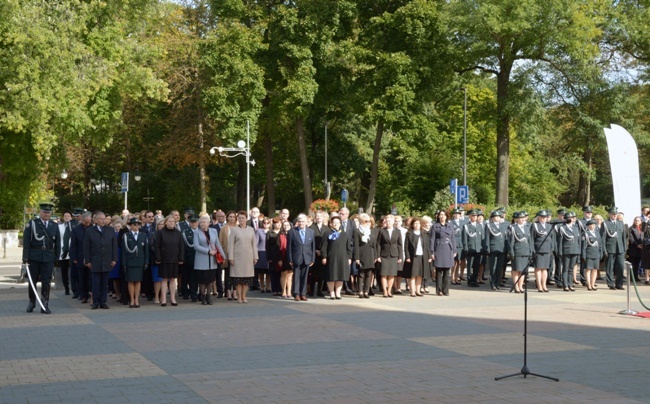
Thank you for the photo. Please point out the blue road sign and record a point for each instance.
(125, 182)
(462, 195)
(344, 195)
(452, 186)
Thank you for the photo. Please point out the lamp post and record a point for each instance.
(242, 149)
(464, 135)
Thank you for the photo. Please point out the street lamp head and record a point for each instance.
(137, 177)
(252, 163)
(64, 174)
(241, 144)
(212, 151)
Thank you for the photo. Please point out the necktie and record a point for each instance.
(99, 228)
(345, 226)
(135, 236)
(302, 236)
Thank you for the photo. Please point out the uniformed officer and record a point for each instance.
(556, 273)
(569, 248)
(496, 247)
(472, 247)
(543, 239)
(521, 249)
(615, 242)
(592, 253)
(189, 287)
(587, 214)
(134, 260)
(40, 250)
(186, 223)
(457, 272)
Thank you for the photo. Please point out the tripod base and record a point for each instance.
(525, 372)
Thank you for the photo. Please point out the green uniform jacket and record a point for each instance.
(41, 244)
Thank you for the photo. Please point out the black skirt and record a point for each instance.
(205, 276)
(168, 270)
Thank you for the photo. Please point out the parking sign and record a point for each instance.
(462, 195)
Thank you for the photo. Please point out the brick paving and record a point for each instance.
(429, 349)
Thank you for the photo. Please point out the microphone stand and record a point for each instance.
(524, 370)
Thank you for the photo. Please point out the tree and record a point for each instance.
(503, 36)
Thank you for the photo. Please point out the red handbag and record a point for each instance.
(219, 257)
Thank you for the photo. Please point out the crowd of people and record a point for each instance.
(146, 255)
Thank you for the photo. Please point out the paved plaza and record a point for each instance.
(425, 349)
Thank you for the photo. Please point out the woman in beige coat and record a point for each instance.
(242, 256)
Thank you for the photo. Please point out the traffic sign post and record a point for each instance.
(125, 187)
(462, 195)
(452, 186)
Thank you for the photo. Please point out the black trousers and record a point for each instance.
(65, 275)
(442, 281)
(41, 271)
(473, 263)
(84, 281)
(100, 287)
(495, 263)
(365, 276)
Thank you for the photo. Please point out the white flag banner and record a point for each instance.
(624, 162)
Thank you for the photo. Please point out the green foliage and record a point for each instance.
(101, 87)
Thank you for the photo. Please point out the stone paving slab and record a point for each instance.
(429, 349)
(75, 368)
(44, 321)
(498, 344)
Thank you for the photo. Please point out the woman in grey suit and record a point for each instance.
(206, 246)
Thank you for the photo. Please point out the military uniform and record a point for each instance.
(473, 249)
(496, 247)
(615, 241)
(555, 272)
(41, 248)
(520, 246)
(189, 286)
(569, 248)
(592, 249)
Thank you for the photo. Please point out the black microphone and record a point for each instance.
(559, 221)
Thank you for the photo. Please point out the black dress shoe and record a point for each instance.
(104, 306)
(75, 296)
(612, 288)
(620, 288)
(131, 306)
(174, 304)
(30, 306)
(94, 307)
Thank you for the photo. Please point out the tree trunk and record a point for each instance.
(503, 137)
(304, 165)
(584, 182)
(270, 183)
(204, 204)
(375, 166)
(589, 167)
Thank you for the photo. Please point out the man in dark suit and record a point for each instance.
(77, 258)
(41, 247)
(301, 252)
(348, 226)
(254, 220)
(100, 256)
